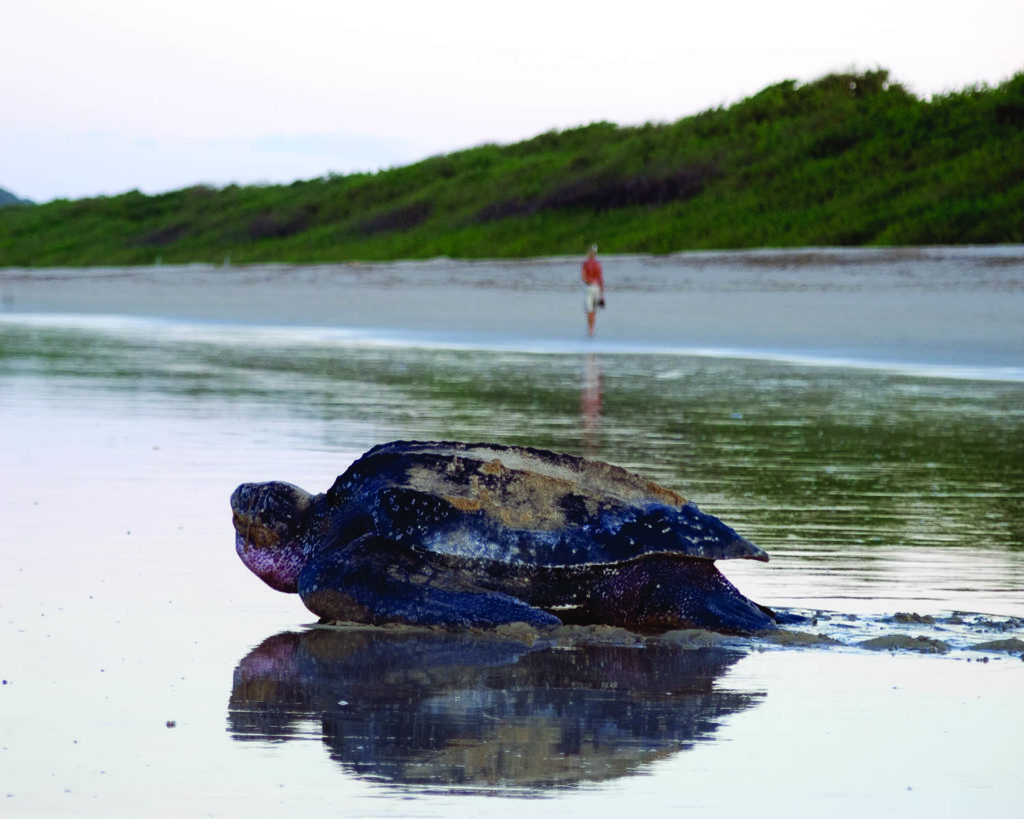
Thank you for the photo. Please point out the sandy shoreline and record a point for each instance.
(937, 306)
(131, 623)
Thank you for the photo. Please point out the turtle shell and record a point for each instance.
(521, 505)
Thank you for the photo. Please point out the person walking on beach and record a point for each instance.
(593, 280)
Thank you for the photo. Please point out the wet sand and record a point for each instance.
(149, 673)
(938, 306)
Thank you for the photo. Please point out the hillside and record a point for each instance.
(7, 199)
(850, 159)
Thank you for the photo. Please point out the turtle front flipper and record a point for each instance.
(374, 580)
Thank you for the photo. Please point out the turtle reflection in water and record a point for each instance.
(476, 535)
(480, 711)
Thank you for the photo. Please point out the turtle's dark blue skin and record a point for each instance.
(474, 535)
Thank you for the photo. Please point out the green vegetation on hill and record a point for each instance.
(850, 159)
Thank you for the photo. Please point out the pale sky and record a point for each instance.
(98, 97)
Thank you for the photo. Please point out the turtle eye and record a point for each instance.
(268, 513)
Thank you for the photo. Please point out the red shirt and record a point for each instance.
(592, 273)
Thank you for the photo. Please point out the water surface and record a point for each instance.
(146, 672)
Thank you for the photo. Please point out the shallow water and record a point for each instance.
(146, 672)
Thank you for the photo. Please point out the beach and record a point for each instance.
(955, 307)
(858, 414)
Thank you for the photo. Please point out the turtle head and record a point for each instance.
(272, 522)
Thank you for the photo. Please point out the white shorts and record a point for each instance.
(591, 298)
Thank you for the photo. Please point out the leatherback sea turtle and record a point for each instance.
(465, 535)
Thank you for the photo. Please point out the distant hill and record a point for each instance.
(7, 198)
(849, 159)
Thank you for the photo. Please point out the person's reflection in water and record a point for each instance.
(482, 712)
(590, 404)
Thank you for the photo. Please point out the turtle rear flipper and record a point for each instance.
(732, 612)
(661, 592)
(374, 580)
